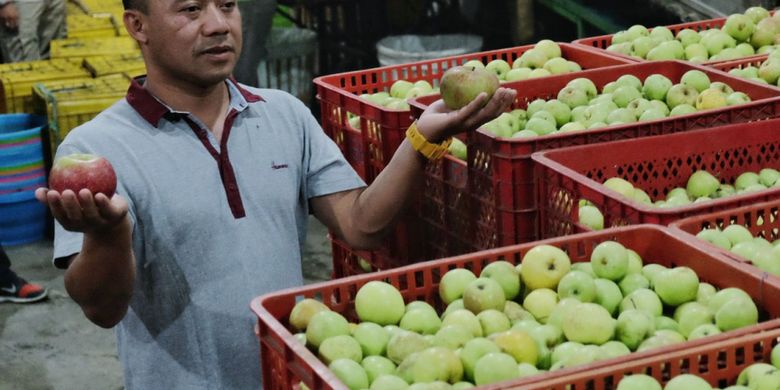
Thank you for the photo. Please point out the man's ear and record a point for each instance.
(135, 24)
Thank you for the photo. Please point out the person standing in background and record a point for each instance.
(256, 24)
(15, 289)
(28, 26)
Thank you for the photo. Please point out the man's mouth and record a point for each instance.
(218, 49)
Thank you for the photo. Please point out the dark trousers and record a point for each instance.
(5, 267)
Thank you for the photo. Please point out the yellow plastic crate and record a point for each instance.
(64, 48)
(16, 80)
(94, 6)
(91, 26)
(72, 8)
(70, 103)
(102, 66)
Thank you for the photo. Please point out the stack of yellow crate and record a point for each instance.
(91, 26)
(17, 79)
(75, 47)
(70, 103)
(106, 65)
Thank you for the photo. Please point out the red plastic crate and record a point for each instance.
(741, 63)
(285, 361)
(760, 218)
(719, 363)
(382, 130)
(501, 174)
(656, 165)
(601, 42)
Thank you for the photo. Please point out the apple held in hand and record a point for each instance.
(461, 84)
(78, 171)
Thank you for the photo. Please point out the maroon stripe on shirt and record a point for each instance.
(226, 172)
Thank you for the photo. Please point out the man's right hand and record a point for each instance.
(9, 16)
(84, 212)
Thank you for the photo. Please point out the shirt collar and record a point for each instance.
(152, 109)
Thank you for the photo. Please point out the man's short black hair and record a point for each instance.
(139, 5)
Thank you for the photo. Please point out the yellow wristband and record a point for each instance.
(430, 150)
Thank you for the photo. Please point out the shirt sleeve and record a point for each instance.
(327, 171)
(67, 243)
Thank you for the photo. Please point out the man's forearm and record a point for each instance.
(383, 201)
(100, 278)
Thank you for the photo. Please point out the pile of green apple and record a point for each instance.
(515, 321)
(626, 100)
(768, 72)
(544, 59)
(701, 186)
(743, 35)
(395, 99)
(738, 240)
(757, 376)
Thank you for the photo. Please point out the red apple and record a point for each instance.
(462, 84)
(77, 171)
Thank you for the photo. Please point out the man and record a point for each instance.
(28, 26)
(215, 182)
(15, 289)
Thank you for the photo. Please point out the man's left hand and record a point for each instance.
(437, 122)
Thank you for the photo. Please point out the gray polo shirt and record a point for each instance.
(214, 225)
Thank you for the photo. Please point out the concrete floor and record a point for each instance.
(51, 345)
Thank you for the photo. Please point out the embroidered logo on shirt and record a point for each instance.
(279, 166)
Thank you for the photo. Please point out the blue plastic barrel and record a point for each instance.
(22, 218)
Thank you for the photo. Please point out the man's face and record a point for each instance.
(197, 41)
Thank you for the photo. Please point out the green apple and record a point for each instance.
(634, 262)
(711, 98)
(437, 364)
(465, 319)
(404, 343)
(472, 351)
(621, 116)
(703, 330)
(474, 64)
(715, 237)
(483, 294)
(505, 274)
(377, 366)
(517, 344)
(379, 302)
(676, 286)
(717, 41)
(540, 303)
(326, 324)
(687, 382)
(418, 305)
(557, 65)
(535, 106)
(589, 324)
(682, 109)
(340, 347)
(768, 176)
(624, 95)
(584, 84)
(739, 27)
(579, 285)
(632, 282)
(608, 294)
(666, 323)
(613, 349)
(540, 126)
(493, 368)
(638, 382)
(573, 126)
(499, 67)
(633, 327)
(639, 106)
(737, 234)
(690, 315)
(697, 79)
(661, 338)
(452, 336)
(621, 186)
(493, 321)
(696, 51)
(558, 313)
(350, 373)
(750, 375)
(651, 270)
(643, 299)
(388, 382)
(421, 321)
(641, 46)
(681, 94)
(544, 266)
(702, 183)
(546, 336)
(721, 297)
(688, 37)
(525, 134)
(656, 86)
(560, 110)
(549, 48)
(585, 355)
(458, 149)
(584, 267)
(517, 74)
(573, 97)
(705, 293)
(303, 311)
(539, 72)
(515, 312)
(372, 338)
(532, 59)
(526, 370)
(526, 325)
(609, 260)
(565, 351)
(736, 313)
